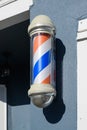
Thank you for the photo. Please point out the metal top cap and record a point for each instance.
(40, 23)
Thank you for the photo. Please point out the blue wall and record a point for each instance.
(62, 113)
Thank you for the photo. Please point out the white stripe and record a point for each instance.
(43, 74)
(46, 46)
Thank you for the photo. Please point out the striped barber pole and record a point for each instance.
(42, 60)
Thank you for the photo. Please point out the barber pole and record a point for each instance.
(42, 90)
(42, 59)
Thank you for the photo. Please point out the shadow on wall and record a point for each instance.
(55, 111)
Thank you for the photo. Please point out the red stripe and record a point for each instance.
(47, 80)
(39, 40)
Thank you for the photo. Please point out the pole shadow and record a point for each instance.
(55, 111)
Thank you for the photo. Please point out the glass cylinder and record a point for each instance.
(43, 67)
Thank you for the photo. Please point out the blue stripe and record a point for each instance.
(42, 63)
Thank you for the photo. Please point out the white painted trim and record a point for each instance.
(81, 35)
(3, 108)
(15, 12)
(5, 2)
(14, 20)
(82, 25)
(14, 8)
(82, 75)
